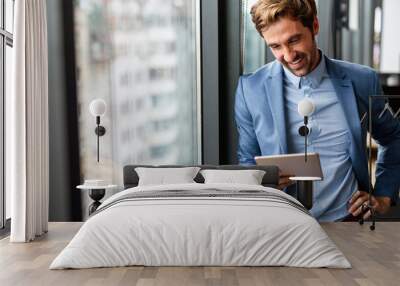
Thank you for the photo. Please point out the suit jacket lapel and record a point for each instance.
(274, 92)
(345, 93)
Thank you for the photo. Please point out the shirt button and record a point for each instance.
(307, 92)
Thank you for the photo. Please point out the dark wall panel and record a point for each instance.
(230, 72)
(64, 201)
(210, 81)
(220, 72)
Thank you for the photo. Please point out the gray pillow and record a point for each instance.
(248, 177)
(163, 176)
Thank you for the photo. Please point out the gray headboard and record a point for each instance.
(270, 178)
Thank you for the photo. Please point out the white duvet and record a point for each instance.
(200, 231)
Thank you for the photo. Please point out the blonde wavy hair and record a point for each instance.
(266, 12)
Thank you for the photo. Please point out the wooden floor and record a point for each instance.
(375, 257)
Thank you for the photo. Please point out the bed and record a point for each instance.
(201, 224)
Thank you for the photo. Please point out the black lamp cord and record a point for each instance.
(305, 148)
(305, 137)
(98, 137)
(304, 131)
(368, 207)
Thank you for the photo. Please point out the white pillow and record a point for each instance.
(163, 176)
(248, 177)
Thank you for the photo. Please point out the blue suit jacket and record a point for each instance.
(260, 119)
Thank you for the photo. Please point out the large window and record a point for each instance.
(141, 57)
(254, 49)
(6, 43)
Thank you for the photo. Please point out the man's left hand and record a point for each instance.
(284, 180)
(380, 204)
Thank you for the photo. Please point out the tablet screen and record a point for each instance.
(294, 164)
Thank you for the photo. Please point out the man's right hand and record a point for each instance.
(284, 181)
(380, 204)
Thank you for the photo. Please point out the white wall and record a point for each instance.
(390, 48)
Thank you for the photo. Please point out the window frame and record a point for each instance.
(6, 39)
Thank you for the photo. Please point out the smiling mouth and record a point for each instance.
(297, 63)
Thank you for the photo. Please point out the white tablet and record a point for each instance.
(294, 164)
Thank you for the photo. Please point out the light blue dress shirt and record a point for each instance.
(329, 137)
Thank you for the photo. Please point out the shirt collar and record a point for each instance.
(314, 78)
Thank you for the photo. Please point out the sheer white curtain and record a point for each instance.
(27, 123)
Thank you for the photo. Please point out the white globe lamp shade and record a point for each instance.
(305, 107)
(97, 107)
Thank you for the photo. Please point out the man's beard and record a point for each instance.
(311, 62)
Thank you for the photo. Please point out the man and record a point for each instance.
(268, 122)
